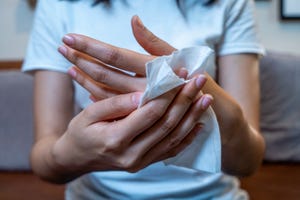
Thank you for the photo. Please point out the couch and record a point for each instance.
(277, 178)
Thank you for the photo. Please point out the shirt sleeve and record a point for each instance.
(45, 38)
(240, 31)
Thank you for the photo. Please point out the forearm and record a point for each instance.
(51, 121)
(242, 145)
(243, 152)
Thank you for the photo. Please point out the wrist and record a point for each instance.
(58, 155)
(43, 162)
(64, 161)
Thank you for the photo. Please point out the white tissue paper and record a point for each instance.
(205, 151)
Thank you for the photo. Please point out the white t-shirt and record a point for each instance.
(227, 26)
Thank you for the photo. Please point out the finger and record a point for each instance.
(97, 90)
(173, 116)
(157, 155)
(182, 136)
(182, 73)
(111, 108)
(150, 42)
(119, 57)
(144, 117)
(182, 145)
(101, 73)
(190, 120)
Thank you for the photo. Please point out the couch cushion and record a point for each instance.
(16, 90)
(280, 106)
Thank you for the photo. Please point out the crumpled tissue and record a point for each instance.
(205, 151)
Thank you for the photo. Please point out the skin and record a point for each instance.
(111, 133)
(236, 94)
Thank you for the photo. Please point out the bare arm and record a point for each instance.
(237, 108)
(236, 103)
(130, 138)
(53, 109)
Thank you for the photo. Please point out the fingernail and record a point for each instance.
(206, 101)
(200, 80)
(92, 98)
(69, 40)
(139, 22)
(63, 50)
(136, 98)
(72, 72)
(183, 73)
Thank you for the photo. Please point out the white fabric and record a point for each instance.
(227, 27)
(160, 71)
(161, 79)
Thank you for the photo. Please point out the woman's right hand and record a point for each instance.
(113, 135)
(99, 66)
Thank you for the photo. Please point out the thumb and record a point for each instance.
(150, 42)
(111, 108)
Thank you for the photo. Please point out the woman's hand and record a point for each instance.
(236, 73)
(113, 135)
(93, 60)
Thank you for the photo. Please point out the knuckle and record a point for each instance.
(111, 56)
(129, 164)
(113, 144)
(73, 123)
(83, 81)
(169, 125)
(174, 141)
(154, 114)
(83, 46)
(188, 99)
(194, 118)
(74, 57)
(101, 76)
(99, 94)
(88, 112)
(173, 152)
(189, 139)
(116, 104)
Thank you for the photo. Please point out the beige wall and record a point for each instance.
(15, 23)
(16, 19)
(275, 33)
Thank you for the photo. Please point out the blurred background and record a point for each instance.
(16, 18)
(278, 178)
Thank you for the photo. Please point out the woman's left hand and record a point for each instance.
(100, 67)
